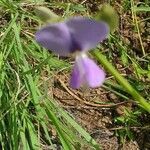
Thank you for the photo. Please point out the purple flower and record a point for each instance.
(78, 34)
(86, 72)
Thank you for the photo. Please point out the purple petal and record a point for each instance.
(55, 37)
(87, 33)
(86, 72)
(76, 77)
(94, 75)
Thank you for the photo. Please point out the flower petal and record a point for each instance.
(87, 33)
(76, 77)
(86, 72)
(94, 75)
(55, 37)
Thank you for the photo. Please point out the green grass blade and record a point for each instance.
(141, 101)
(142, 9)
(77, 127)
(64, 141)
(8, 29)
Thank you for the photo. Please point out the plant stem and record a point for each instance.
(102, 59)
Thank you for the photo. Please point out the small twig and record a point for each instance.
(80, 107)
(71, 106)
(85, 102)
(119, 128)
(134, 16)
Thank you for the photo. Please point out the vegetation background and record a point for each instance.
(38, 108)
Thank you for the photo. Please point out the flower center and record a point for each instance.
(80, 62)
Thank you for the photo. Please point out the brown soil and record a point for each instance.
(92, 108)
(94, 117)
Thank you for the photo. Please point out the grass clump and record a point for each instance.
(29, 112)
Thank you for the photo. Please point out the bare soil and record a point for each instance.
(93, 108)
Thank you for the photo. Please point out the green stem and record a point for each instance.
(102, 59)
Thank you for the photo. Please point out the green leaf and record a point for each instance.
(142, 8)
(108, 14)
(45, 14)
